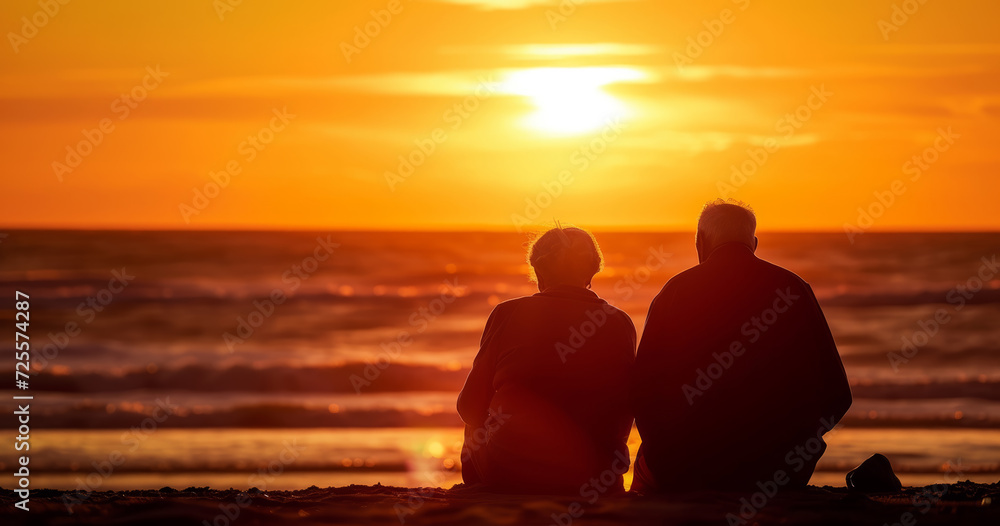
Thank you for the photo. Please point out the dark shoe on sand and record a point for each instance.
(874, 476)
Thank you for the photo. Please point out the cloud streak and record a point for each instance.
(492, 5)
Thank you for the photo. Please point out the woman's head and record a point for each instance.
(564, 256)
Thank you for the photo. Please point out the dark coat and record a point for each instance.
(736, 370)
(546, 402)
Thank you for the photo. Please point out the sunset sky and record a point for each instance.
(610, 110)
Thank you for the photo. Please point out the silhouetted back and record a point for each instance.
(553, 370)
(736, 369)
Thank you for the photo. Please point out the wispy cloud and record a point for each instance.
(557, 51)
(935, 49)
(512, 4)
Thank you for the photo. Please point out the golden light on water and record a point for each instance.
(570, 101)
(435, 449)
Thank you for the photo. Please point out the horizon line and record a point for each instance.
(639, 229)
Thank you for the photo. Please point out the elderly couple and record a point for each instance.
(733, 385)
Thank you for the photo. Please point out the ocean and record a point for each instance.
(283, 360)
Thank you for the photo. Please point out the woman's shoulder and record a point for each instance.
(506, 308)
(545, 303)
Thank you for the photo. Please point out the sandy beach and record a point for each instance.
(960, 503)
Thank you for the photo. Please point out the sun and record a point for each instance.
(570, 101)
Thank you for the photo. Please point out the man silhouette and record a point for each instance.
(737, 376)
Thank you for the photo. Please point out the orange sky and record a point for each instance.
(538, 87)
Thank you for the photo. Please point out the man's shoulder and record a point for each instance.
(782, 275)
(685, 276)
(757, 269)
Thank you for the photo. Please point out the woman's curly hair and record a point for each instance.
(565, 254)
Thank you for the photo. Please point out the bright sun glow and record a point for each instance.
(570, 100)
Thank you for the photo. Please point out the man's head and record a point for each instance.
(564, 256)
(724, 222)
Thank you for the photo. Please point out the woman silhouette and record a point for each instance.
(545, 405)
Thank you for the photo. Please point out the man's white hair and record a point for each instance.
(726, 221)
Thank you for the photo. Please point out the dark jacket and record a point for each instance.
(553, 371)
(736, 370)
